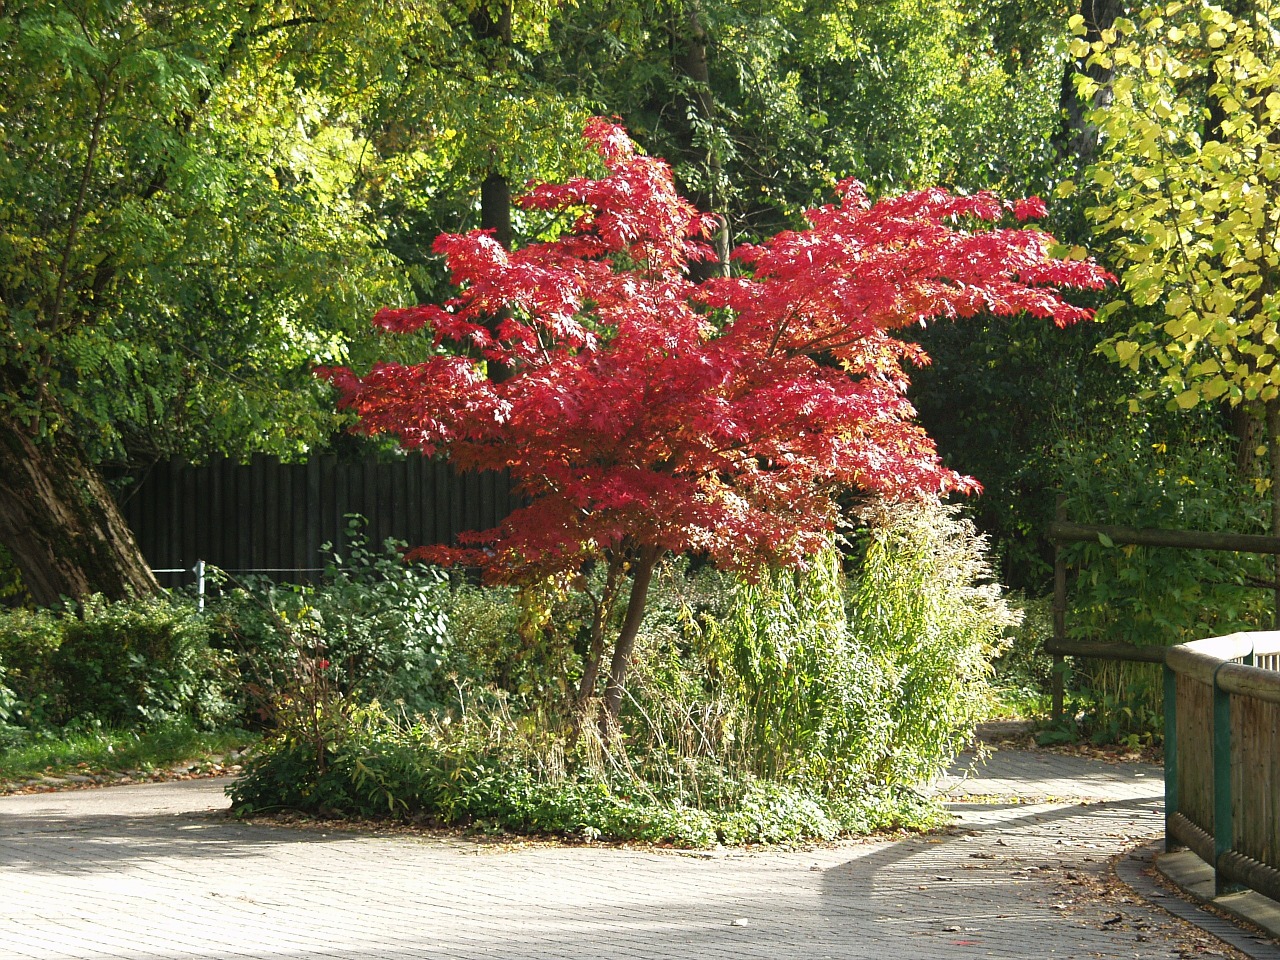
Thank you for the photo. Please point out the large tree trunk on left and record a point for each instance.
(60, 522)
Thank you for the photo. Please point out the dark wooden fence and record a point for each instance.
(272, 518)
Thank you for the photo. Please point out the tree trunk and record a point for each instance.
(626, 643)
(493, 34)
(60, 522)
(599, 624)
(495, 208)
(693, 62)
(1077, 138)
(1248, 431)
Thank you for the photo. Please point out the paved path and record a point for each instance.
(150, 873)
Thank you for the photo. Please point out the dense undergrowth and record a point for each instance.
(799, 706)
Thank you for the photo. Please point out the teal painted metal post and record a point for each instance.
(1223, 832)
(1170, 753)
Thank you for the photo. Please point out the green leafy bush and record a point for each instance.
(124, 663)
(928, 610)
(379, 624)
(29, 639)
(493, 773)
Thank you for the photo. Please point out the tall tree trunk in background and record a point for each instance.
(1077, 139)
(493, 34)
(694, 65)
(495, 208)
(60, 522)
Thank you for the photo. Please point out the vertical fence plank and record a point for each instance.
(257, 494)
(1194, 722)
(413, 502)
(444, 502)
(312, 517)
(1223, 833)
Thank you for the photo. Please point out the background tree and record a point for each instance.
(179, 244)
(1188, 182)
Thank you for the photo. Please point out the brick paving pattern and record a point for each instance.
(149, 873)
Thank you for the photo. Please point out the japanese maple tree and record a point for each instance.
(642, 414)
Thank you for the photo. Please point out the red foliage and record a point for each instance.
(644, 410)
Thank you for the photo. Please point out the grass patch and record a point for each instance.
(101, 749)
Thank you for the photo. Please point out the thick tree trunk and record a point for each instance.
(626, 644)
(493, 34)
(1248, 431)
(61, 524)
(495, 208)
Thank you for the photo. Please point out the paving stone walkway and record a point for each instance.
(154, 872)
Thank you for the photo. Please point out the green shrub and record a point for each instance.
(795, 707)
(928, 611)
(492, 773)
(28, 641)
(124, 663)
(379, 624)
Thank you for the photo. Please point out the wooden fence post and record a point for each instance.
(1059, 616)
(1170, 754)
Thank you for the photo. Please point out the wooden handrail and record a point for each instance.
(1066, 532)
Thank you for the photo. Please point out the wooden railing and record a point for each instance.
(1222, 757)
(1061, 532)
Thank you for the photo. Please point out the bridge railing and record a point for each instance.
(1222, 757)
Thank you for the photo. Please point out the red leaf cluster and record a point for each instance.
(642, 409)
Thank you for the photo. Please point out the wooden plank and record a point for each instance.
(443, 503)
(214, 510)
(1195, 750)
(313, 516)
(398, 510)
(472, 512)
(1240, 750)
(412, 527)
(1106, 651)
(300, 554)
(244, 518)
(1185, 539)
(1252, 682)
(372, 501)
(343, 473)
(173, 520)
(196, 520)
(256, 499)
(429, 500)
